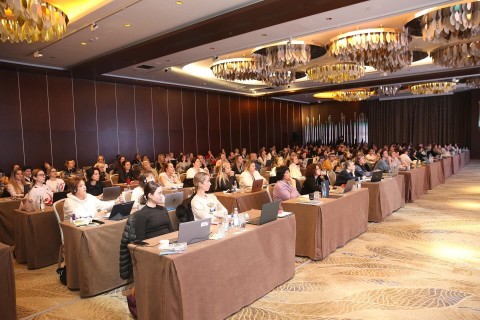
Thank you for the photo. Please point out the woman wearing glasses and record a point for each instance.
(54, 183)
(39, 189)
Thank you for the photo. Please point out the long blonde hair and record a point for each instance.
(221, 175)
(199, 178)
(17, 187)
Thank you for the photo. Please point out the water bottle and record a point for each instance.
(235, 222)
(324, 192)
(359, 185)
(234, 186)
(41, 204)
(225, 222)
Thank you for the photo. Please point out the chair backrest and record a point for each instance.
(114, 178)
(128, 196)
(183, 176)
(187, 183)
(184, 211)
(332, 176)
(107, 183)
(270, 191)
(60, 214)
(86, 168)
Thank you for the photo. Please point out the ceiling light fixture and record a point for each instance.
(460, 21)
(385, 49)
(388, 90)
(236, 69)
(433, 88)
(465, 54)
(336, 73)
(31, 21)
(353, 95)
(473, 83)
(284, 55)
(37, 54)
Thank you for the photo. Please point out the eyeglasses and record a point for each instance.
(41, 175)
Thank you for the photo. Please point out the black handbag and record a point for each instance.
(62, 274)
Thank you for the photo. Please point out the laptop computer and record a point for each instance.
(340, 192)
(172, 200)
(111, 193)
(59, 195)
(194, 231)
(268, 163)
(269, 213)
(121, 211)
(376, 176)
(257, 185)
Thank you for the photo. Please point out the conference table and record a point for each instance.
(7, 284)
(322, 228)
(243, 201)
(385, 197)
(447, 167)
(435, 174)
(37, 237)
(7, 220)
(456, 164)
(92, 256)
(416, 183)
(213, 279)
(187, 192)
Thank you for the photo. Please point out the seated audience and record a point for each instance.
(160, 162)
(27, 174)
(285, 187)
(205, 205)
(294, 167)
(146, 167)
(137, 159)
(238, 164)
(384, 163)
(118, 166)
(94, 186)
(39, 189)
(55, 184)
(3, 183)
(70, 169)
(83, 204)
(405, 159)
(101, 159)
(330, 163)
(225, 178)
(146, 177)
(249, 175)
(126, 175)
(361, 167)
(182, 164)
(168, 178)
(313, 181)
(16, 183)
(346, 174)
(253, 158)
(196, 168)
(102, 169)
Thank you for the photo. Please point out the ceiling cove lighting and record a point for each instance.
(237, 69)
(31, 21)
(337, 72)
(385, 49)
(433, 88)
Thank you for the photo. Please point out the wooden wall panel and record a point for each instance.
(10, 122)
(254, 129)
(85, 122)
(176, 121)
(202, 131)
(269, 125)
(126, 119)
(143, 104)
(190, 121)
(214, 124)
(160, 122)
(284, 118)
(36, 128)
(277, 118)
(262, 124)
(236, 122)
(245, 125)
(108, 143)
(225, 119)
(61, 120)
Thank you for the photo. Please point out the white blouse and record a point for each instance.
(207, 206)
(246, 179)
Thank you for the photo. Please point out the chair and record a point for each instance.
(270, 191)
(107, 183)
(332, 177)
(60, 214)
(182, 177)
(114, 178)
(86, 168)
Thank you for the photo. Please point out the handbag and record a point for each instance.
(62, 274)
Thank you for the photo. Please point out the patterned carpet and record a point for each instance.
(422, 262)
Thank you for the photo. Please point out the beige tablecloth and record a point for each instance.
(37, 238)
(213, 279)
(8, 309)
(92, 257)
(463, 161)
(243, 201)
(7, 220)
(385, 197)
(416, 183)
(467, 157)
(435, 174)
(321, 229)
(456, 164)
(447, 167)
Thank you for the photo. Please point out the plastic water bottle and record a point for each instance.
(225, 222)
(234, 186)
(235, 222)
(41, 204)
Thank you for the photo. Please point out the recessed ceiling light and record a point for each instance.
(128, 25)
(179, 2)
(83, 43)
(37, 54)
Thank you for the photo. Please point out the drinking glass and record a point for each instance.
(242, 220)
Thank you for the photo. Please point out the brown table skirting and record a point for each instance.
(92, 257)
(435, 174)
(7, 220)
(321, 229)
(213, 279)
(7, 284)
(456, 164)
(243, 201)
(385, 197)
(37, 238)
(416, 183)
(447, 167)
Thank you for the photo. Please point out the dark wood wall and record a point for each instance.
(52, 118)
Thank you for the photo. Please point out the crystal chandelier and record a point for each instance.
(237, 69)
(31, 21)
(277, 78)
(383, 49)
(457, 55)
(473, 83)
(460, 21)
(287, 55)
(353, 95)
(336, 73)
(433, 87)
(388, 90)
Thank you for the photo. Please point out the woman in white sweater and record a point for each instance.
(249, 175)
(54, 183)
(84, 205)
(205, 205)
(39, 188)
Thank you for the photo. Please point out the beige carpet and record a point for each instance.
(422, 262)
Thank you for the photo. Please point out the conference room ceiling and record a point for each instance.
(177, 44)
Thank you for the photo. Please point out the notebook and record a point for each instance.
(111, 193)
(376, 176)
(172, 200)
(121, 211)
(269, 213)
(194, 231)
(257, 185)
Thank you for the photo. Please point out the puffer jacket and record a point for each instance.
(125, 258)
